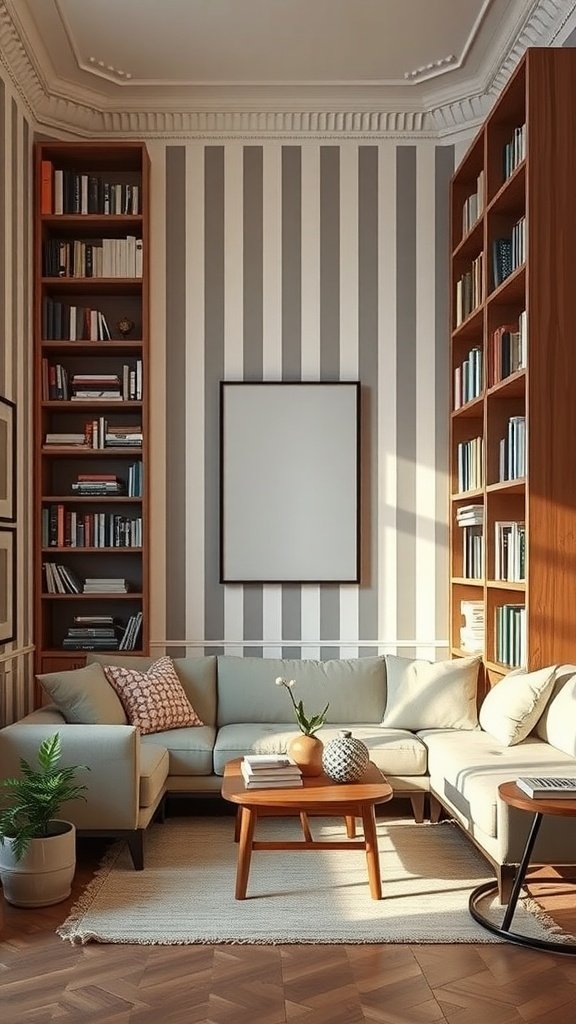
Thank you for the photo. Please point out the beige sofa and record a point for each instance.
(450, 757)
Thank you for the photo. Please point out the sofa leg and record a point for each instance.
(417, 801)
(505, 874)
(136, 847)
(435, 809)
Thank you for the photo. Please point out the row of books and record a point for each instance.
(74, 192)
(514, 151)
(508, 349)
(97, 433)
(67, 528)
(473, 205)
(102, 257)
(58, 385)
(472, 632)
(61, 579)
(510, 551)
(510, 635)
(469, 293)
(512, 450)
(469, 378)
(266, 771)
(108, 485)
(62, 322)
(469, 464)
(103, 633)
(509, 253)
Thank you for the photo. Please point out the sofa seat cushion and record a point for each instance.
(153, 773)
(354, 688)
(394, 751)
(467, 767)
(189, 749)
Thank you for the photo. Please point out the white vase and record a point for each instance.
(44, 874)
(345, 759)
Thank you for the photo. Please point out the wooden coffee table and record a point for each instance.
(516, 797)
(318, 795)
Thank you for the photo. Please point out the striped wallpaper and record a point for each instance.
(302, 261)
(16, 136)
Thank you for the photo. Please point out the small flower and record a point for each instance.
(307, 725)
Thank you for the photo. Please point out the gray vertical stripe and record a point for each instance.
(330, 262)
(213, 374)
(406, 390)
(253, 263)
(176, 390)
(291, 263)
(444, 170)
(26, 448)
(291, 618)
(16, 267)
(368, 371)
(329, 340)
(3, 203)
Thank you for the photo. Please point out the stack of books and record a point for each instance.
(562, 788)
(265, 771)
(93, 633)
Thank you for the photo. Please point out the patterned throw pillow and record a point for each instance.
(154, 700)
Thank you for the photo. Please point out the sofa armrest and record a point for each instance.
(111, 752)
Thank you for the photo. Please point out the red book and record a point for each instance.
(46, 173)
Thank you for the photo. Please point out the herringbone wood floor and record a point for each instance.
(45, 979)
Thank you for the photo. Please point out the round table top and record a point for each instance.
(319, 789)
(516, 797)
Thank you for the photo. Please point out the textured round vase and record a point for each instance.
(345, 759)
(306, 751)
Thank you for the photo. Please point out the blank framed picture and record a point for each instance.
(7, 585)
(289, 482)
(7, 461)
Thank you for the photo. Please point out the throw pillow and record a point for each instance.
(557, 725)
(84, 696)
(154, 700)
(431, 695)
(511, 709)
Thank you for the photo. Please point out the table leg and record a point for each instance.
(247, 825)
(350, 826)
(237, 825)
(520, 874)
(305, 827)
(372, 858)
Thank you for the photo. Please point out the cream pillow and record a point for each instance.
(84, 696)
(431, 695)
(557, 725)
(511, 709)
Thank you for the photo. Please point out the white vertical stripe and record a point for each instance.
(425, 398)
(195, 418)
(386, 476)
(349, 595)
(310, 365)
(233, 337)
(22, 482)
(272, 338)
(8, 242)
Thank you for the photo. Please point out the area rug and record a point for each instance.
(185, 894)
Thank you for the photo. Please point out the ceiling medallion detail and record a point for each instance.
(427, 70)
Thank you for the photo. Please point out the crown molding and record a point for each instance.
(67, 108)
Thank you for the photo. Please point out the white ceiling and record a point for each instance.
(129, 56)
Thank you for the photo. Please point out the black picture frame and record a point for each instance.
(7, 461)
(289, 482)
(7, 585)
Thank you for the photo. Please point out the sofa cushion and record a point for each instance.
(154, 700)
(197, 675)
(84, 696)
(511, 709)
(189, 750)
(431, 695)
(355, 689)
(395, 752)
(466, 769)
(153, 773)
(557, 724)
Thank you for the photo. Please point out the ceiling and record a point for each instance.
(125, 58)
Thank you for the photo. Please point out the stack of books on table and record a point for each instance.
(557, 788)
(264, 771)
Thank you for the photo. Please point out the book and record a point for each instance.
(553, 788)
(268, 761)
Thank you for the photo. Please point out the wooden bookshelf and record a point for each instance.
(97, 535)
(536, 184)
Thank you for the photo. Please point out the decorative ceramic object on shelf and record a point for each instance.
(345, 759)
(125, 326)
(307, 751)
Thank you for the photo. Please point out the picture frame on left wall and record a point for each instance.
(7, 585)
(7, 461)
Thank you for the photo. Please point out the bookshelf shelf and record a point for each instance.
(81, 493)
(520, 426)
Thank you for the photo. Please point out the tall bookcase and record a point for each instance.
(91, 518)
(513, 370)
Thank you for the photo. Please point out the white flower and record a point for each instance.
(291, 683)
(279, 681)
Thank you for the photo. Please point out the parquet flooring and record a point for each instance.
(45, 979)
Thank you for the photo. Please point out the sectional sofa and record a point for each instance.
(418, 719)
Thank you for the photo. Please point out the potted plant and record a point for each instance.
(37, 850)
(306, 750)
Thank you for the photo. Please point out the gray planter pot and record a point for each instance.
(44, 874)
